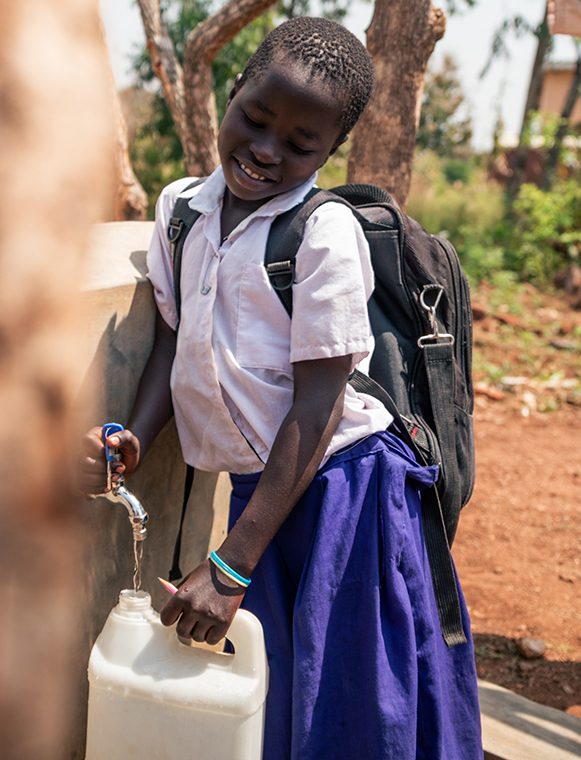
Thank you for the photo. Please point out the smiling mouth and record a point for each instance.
(252, 174)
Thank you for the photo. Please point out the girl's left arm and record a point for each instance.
(207, 600)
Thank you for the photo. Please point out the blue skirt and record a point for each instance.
(358, 666)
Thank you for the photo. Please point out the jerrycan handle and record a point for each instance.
(247, 637)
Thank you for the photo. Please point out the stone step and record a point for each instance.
(515, 728)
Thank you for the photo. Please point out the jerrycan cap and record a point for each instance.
(133, 603)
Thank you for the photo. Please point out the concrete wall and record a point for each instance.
(119, 324)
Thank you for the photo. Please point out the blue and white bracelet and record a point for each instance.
(228, 571)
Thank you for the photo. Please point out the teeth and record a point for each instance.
(250, 173)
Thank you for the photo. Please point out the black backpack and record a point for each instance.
(420, 369)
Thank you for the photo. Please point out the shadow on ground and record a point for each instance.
(556, 683)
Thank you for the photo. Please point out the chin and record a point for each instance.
(245, 192)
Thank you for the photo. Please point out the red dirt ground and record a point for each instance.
(518, 550)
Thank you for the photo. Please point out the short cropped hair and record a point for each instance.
(329, 51)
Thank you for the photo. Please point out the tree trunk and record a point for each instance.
(532, 104)
(54, 163)
(165, 64)
(568, 106)
(130, 201)
(203, 44)
(188, 91)
(400, 38)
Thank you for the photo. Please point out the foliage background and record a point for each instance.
(454, 193)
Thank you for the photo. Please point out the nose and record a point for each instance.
(265, 150)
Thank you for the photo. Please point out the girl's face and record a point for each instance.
(277, 131)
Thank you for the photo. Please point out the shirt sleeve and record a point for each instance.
(333, 282)
(159, 259)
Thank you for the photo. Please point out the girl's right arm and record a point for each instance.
(152, 408)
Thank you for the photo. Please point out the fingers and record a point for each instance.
(200, 630)
(191, 624)
(171, 611)
(216, 634)
(93, 467)
(202, 608)
(186, 625)
(128, 447)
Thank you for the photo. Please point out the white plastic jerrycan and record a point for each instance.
(153, 698)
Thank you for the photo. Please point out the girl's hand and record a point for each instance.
(204, 605)
(93, 470)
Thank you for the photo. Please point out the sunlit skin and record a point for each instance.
(282, 127)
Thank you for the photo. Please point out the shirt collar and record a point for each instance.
(209, 197)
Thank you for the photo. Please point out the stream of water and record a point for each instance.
(137, 558)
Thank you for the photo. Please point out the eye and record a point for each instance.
(300, 151)
(249, 120)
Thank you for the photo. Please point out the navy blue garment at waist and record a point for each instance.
(358, 664)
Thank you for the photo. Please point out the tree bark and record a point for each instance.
(188, 91)
(165, 64)
(55, 162)
(130, 200)
(203, 44)
(400, 38)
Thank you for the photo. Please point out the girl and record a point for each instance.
(325, 543)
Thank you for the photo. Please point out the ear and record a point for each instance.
(342, 139)
(234, 89)
(338, 142)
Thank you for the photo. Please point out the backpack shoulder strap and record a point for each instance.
(287, 230)
(180, 223)
(284, 240)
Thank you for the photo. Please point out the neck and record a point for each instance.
(234, 205)
(234, 210)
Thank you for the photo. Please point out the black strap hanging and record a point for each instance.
(175, 574)
(437, 547)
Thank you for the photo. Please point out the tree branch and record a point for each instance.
(202, 46)
(165, 63)
(209, 37)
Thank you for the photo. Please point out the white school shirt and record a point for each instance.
(232, 377)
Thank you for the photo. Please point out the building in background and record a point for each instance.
(557, 79)
(564, 17)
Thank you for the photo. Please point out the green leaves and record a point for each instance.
(546, 235)
(444, 125)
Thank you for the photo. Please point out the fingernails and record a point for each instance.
(114, 440)
(167, 585)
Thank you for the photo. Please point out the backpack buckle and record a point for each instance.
(436, 336)
(174, 230)
(284, 269)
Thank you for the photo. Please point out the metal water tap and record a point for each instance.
(138, 517)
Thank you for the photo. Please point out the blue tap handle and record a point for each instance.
(110, 428)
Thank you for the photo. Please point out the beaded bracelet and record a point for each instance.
(227, 570)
